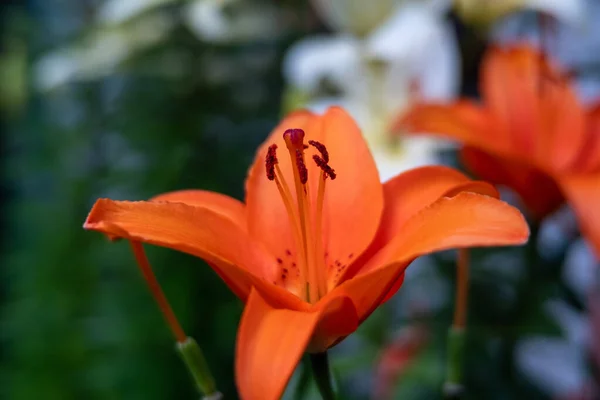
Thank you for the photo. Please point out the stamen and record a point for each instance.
(321, 163)
(306, 225)
(271, 161)
(274, 173)
(322, 149)
(302, 171)
(326, 171)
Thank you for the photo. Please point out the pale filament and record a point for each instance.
(320, 259)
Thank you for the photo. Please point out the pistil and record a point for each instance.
(294, 140)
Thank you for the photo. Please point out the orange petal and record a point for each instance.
(394, 288)
(462, 121)
(564, 133)
(354, 200)
(271, 341)
(220, 203)
(583, 194)
(536, 103)
(539, 192)
(589, 159)
(194, 230)
(410, 192)
(510, 86)
(466, 220)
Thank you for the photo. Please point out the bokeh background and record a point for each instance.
(129, 98)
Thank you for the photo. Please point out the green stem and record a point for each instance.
(453, 387)
(322, 374)
(196, 363)
(532, 273)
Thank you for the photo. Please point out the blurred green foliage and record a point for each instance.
(78, 321)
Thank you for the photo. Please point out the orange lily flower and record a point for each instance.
(531, 134)
(313, 251)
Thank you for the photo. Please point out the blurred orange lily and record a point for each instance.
(313, 259)
(531, 134)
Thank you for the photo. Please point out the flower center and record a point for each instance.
(306, 222)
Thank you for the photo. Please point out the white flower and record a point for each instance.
(99, 53)
(375, 68)
(358, 17)
(227, 21)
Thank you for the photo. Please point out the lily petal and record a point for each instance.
(463, 121)
(583, 193)
(355, 197)
(271, 341)
(530, 96)
(564, 120)
(199, 231)
(220, 203)
(590, 157)
(537, 190)
(465, 220)
(409, 193)
(511, 82)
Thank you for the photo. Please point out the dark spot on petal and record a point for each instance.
(350, 255)
(288, 252)
(279, 260)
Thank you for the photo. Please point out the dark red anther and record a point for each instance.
(325, 167)
(294, 139)
(271, 161)
(302, 171)
(321, 148)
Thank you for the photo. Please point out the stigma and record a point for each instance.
(305, 214)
